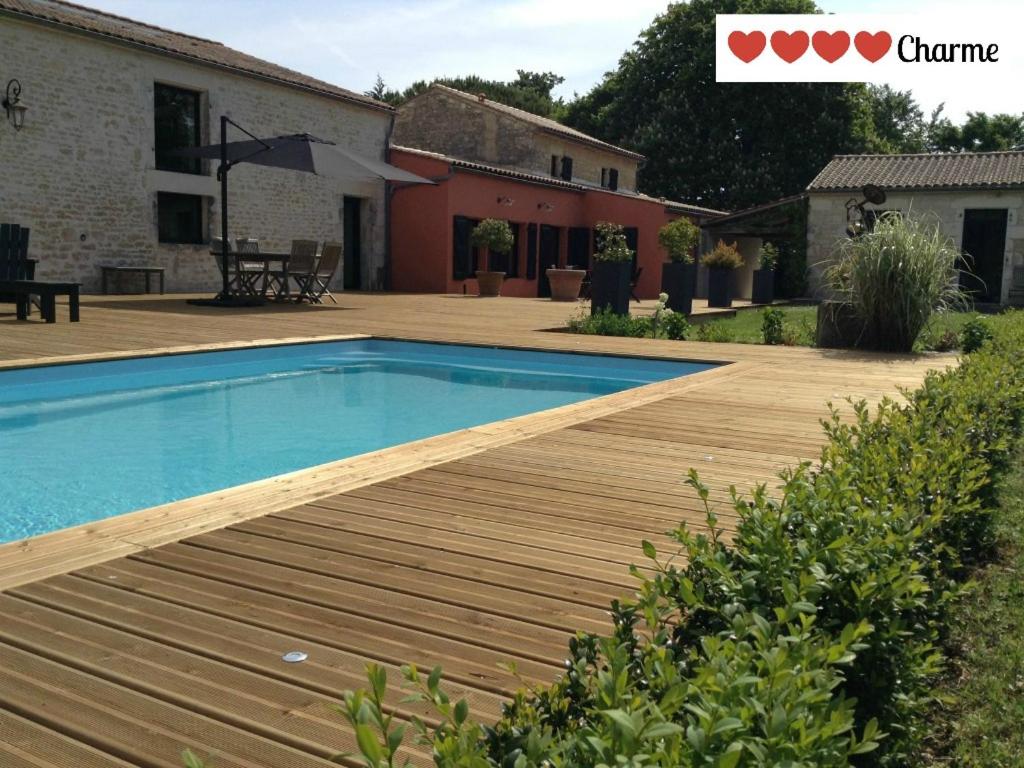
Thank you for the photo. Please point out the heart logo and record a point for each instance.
(790, 47)
(831, 47)
(747, 47)
(873, 47)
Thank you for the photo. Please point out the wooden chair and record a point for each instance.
(253, 276)
(14, 261)
(313, 285)
(301, 262)
(633, 281)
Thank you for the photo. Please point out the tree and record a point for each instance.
(728, 145)
(979, 133)
(897, 121)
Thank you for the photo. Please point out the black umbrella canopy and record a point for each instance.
(306, 153)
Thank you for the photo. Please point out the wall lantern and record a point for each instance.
(545, 207)
(13, 105)
(505, 201)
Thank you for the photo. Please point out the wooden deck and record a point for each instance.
(483, 546)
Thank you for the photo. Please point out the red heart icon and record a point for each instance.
(831, 47)
(747, 47)
(873, 47)
(790, 47)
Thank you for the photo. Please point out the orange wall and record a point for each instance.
(421, 224)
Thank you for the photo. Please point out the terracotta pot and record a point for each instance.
(565, 283)
(489, 283)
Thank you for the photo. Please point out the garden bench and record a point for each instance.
(146, 271)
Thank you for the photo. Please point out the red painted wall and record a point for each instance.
(421, 223)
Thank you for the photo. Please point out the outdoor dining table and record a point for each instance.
(268, 258)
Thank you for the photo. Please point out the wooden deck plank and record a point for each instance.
(469, 549)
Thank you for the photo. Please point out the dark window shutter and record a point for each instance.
(613, 179)
(632, 239)
(531, 252)
(567, 168)
(554, 165)
(512, 269)
(462, 251)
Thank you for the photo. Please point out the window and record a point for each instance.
(554, 165)
(464, 255)
(531, 252)
(180, 218)
(177, 121)
(512, 260)
(567, 168)
(610, 178)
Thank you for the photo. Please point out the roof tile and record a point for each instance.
(175, 43)
(952, 170)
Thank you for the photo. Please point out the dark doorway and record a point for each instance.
(579, 248)
(352, 240)
(984, 242)
(548, 258)
(531, 252)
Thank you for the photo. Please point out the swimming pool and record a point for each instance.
(84, 442)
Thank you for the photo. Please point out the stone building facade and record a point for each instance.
(83, 175)
(977, 198)
(473, 128)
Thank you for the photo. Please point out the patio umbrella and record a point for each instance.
(296, 152)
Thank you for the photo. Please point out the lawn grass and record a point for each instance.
(984, 723)
(800, 322)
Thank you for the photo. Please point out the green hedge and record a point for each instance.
(811, 637)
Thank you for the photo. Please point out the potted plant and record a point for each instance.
(565, 283)
(492, 236)
(763, 291)
(679, 273)
(613, 266)
(721, 262)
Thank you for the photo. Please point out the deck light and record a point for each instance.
(13, 105)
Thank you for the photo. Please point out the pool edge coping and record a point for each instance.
(68, 549)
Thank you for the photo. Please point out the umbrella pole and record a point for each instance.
(223, 173)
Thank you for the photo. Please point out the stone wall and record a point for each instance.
(826, 224)
(442, 122)
(81, 173)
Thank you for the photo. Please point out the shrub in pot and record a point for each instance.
(764, 276)
(492, 236)
(679, 273)
(613, 266)
(721, 262)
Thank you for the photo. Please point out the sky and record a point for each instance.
(348, 42)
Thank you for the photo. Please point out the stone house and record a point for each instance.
(977, 198)
(552, 184)
(91, 171)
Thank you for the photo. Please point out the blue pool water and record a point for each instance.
(84, 442)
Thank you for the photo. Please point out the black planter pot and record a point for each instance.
(678, 280)
(764, 287)
(609, 286)
(719, 287)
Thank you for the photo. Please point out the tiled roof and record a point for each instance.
(953, 170)
(159, 40)
(544, 123)
(552, 181)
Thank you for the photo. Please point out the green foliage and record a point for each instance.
(605, 322)
(768, 258)
(980, 132)
(493, 234)
(722, 256)
(895, 277)
(773, 325)
(679, 238)
(974, 333)
(675, 326)
(611, 243)
(715, 332)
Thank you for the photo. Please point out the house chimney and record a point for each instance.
(481, 98)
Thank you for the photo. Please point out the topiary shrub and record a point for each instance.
(679, 238)
(493, 234)
(611, 243)
(722, 256)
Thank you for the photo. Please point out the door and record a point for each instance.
(548, 257)
(984, 242)
(351, 238)
(579, 248)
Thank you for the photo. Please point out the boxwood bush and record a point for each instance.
(809, 636)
